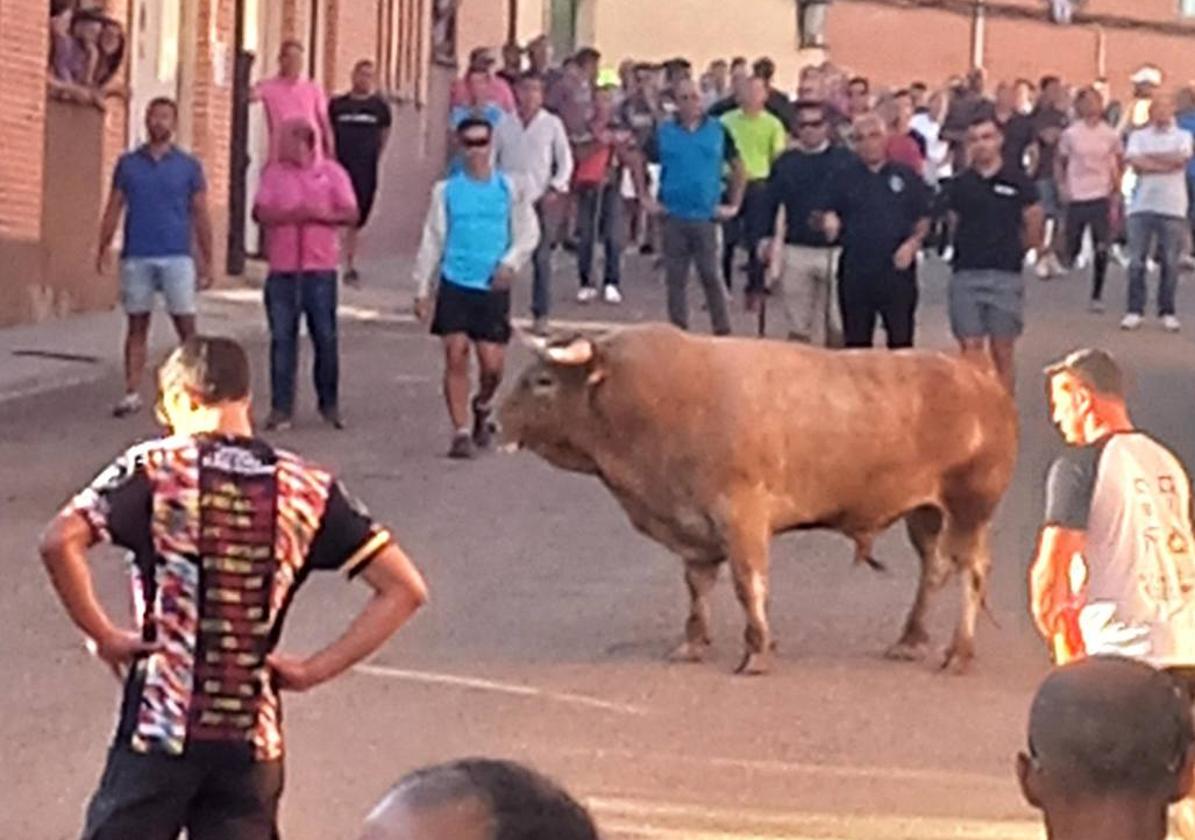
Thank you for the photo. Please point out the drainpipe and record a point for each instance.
(978, 32)
(512, 21)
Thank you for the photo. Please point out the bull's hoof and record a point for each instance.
(754, 664)
(689, 652)
(957, 661)
(907, 652)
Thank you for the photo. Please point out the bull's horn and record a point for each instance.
(578, 352)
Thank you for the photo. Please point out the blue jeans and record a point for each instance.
(1171, 234)
(541, 262)
(599, 217)
(289, 296)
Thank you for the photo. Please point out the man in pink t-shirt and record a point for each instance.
(497, 91)
(1088, 166)
(289, 96)
(301, 201)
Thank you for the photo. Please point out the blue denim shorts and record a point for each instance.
(143, 277)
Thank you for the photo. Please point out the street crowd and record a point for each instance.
(833, 196)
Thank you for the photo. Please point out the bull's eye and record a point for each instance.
(543, 380)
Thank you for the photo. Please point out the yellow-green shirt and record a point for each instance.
(760, 140)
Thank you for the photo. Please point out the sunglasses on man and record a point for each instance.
(475, 142)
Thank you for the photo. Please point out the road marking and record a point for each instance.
(901, 774)
(479, 684)
(667, 820)
(525, 323)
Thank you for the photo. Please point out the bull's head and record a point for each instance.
(549, 410)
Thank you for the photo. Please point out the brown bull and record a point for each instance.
(714, 445)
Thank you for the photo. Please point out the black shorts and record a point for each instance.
(156, 795)
(364, 178)
(483, 316)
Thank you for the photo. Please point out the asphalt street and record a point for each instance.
(550, 620)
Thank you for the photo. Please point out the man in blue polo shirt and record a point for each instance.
(161, 192)
(692, 151)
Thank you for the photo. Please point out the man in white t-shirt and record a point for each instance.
(1115, 571)
(1158, 154)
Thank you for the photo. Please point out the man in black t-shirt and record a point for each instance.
(222, 530)
(361, 122)
(996, 216)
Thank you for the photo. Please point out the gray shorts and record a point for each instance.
(987, 304)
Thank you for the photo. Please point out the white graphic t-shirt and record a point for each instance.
(1132, 497)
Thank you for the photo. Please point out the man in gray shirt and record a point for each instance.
(1114, 572)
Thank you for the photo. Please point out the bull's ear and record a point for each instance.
(577, 352)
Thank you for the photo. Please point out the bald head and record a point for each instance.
(869, 134)
(1108, 726)
(478, 799)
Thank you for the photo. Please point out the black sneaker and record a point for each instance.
(483, 426)
(332, 418)
(462, 447)
(278, 422)
(352, 278)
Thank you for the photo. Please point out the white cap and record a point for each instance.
(1147, 75)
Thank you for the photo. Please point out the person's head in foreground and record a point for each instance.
(478, 799)
(1109, 750)
(203, 387)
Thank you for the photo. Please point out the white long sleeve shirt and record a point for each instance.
(536, 153)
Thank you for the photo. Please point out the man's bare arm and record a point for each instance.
(738, 182)
(108, 224)
(203, 238)
(1158, 164)
(1033, 221)
(1050, 574)
(399, 590)
(63, 550)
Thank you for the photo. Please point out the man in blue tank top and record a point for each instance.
(480, 231)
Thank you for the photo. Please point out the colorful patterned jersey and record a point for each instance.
(222, 531)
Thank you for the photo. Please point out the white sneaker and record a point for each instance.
(948, 254)
(129, 404)
(612, 295)
(1042, 269)
(1170, 323)
(1096, 306)
(1186, 263)
(1131, 321)
(586, 294)
(1120, 256)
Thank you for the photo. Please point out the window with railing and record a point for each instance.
(87, 52)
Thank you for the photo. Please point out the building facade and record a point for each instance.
(58, 155)
(896, 41)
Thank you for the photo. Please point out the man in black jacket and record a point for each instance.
(807, 263)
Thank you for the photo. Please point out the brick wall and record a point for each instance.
(116, 112)
(352, 35)
(22, 117)
(211, 108)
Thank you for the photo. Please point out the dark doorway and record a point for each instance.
(238, 187)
